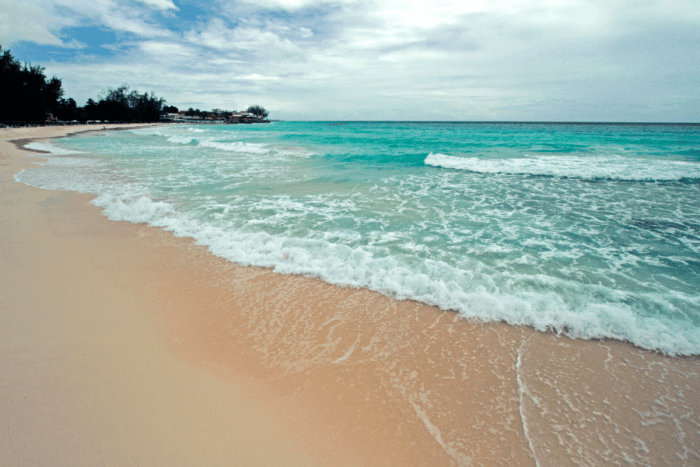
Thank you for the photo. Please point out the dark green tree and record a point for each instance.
(68, 110)
(90, 110)
(195, 113)
(28, 95)
(123, 106)
(258, 111)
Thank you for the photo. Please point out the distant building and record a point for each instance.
(243, 117)
(215, 116)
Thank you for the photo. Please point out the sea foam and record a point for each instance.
(473, 292)
(178, 139)
(50, 148)
(236, 146)
(541, 247)
(612, 167)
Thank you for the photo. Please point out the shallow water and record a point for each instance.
(592, 230)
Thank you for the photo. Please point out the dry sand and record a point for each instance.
(123, 345)
(84, 378)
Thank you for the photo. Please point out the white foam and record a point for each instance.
(177, 139)
(318, 235)
(586, 167)
(294, 152)
(66, 173)
(50, 148)
(472, 291)
(523, 392)
(236, 146)
(140, 208)
(148, 131)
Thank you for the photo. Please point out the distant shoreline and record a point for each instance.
(343, 122)
(500, 122)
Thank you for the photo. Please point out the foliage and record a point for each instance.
(196, 113)
(124, 106)
(68, 110)
(29, 96)
(258, 111)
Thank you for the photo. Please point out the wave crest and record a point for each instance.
(612, 167)
(50, 148)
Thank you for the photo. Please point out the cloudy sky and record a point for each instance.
(561, 60)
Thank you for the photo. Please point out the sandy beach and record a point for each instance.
(121, 344)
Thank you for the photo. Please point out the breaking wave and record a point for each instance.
(612, 167)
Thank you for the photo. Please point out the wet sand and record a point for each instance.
(124, 344)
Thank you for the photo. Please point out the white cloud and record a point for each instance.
(306, 32)
(443, 59)
(292, 5)
(29, 22)
(160, 4)
(41, 21)
(165, 51)
(263, 43)
(256, 77)
(75, 44)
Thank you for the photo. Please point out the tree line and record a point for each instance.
(256, 110)
(32, 97)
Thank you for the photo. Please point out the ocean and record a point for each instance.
(591, 230)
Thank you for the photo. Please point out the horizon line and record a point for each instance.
(519, 122)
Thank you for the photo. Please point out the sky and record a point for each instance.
(534, 60)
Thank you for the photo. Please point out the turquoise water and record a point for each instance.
(590, 230)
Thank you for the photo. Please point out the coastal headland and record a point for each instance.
(121, 344)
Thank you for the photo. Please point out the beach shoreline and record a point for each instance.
(341, 376)
(84, 378)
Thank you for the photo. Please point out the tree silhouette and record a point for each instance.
(195, 113)
(258, 111)
(29, 96)
(124, 106)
